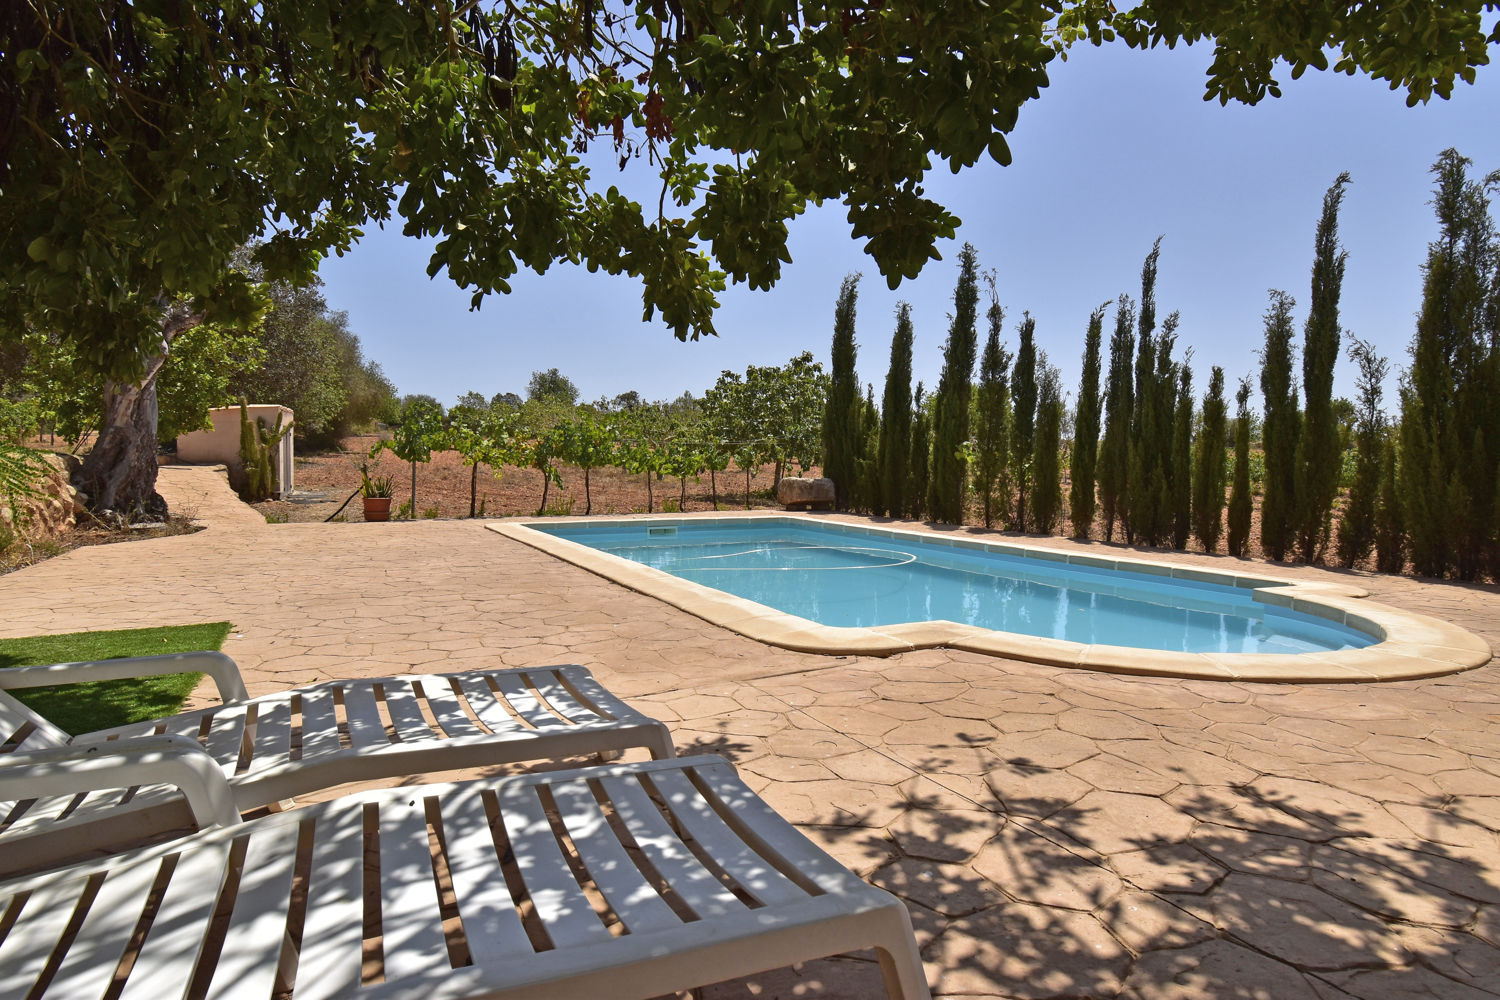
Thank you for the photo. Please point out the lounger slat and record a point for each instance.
(146, 728)
(559, 697)
(149, 795)
(697, 886)
(272, 745)
(721, 843)
(164, 966)
(226, 734)
(184, 725)
(247, 965)
(320, 724)
(523, 701)
(28, 946)
(410, 923)
(446, 709)
(89, 966)
(332, 931)
(632, 898)
(48, 811)
(365, 726)
(485, 705)
(41, 813)
(565, 911)
(491, 924)
(103, 803)
(401, 702)
(771, 830)
(14, 715)
(595, 694)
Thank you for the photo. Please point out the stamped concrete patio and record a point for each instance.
(1055, 832)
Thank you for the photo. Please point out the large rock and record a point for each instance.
(794, 493)
(48, 513)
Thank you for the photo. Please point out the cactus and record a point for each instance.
(257, 444)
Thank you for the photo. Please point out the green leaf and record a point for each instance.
(999, 149)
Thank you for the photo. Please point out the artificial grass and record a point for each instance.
(82, 708)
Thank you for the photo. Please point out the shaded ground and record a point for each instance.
(23, 552)
(1055, 832)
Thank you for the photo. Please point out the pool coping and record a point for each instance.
(1408, 645)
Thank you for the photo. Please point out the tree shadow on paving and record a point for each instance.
(724, 746)
(1260, 895)
(1001, 903)
(1307, 891)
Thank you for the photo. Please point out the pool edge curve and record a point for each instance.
(1408, 645)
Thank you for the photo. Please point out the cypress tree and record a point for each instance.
(1081, 501)
(992, 432)
(1147, 315)
(1161, 474)
(841, 406)
(950, 430)
(1450, 416)
(895, 419)
(921, 453)
(1119, 405)
(1023, 430)
(866, 495)
(1390, 529)
(1318, 456)
(1357, 525)
(1279, 439)
(1239, 492)
(1146, 445)
(1208, 465)
(1045, 464)
(1182, 461)
(1151, 476)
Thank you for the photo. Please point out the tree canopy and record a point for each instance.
(141, 143)
(552, 385)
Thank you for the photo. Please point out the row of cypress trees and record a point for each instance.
(925, 456)
(1159, 466)
(1449, 438)
(1424, 487)
(1149, 464)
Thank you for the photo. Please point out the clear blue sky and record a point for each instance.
(1120, 149)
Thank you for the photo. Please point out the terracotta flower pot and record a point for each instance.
(377, 508)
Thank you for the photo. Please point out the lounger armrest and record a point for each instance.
(216, 665)
(146, 760)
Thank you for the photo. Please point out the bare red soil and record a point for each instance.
(443, 486)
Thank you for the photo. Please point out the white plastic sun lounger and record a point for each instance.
(618, 881)
(281, 745)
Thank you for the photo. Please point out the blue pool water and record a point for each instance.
(839, 577)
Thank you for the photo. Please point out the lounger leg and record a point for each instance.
(661, 747)
(901, 963)
(605, 756)
(904, 980)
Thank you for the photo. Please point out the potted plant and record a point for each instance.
(377, 495)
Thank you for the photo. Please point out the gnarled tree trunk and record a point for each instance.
(119, 474)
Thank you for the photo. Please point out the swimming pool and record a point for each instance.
(836, 584)
(833, 577)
